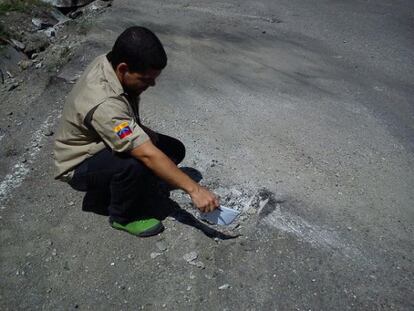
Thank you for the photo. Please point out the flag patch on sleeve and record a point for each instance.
(123, 130)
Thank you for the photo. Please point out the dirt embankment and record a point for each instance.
(36, 41)
(35, 36)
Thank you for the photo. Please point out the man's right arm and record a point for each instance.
(163, 167)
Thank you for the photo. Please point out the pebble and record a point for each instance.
(251, 211)
(224, 286)
(190, 256)
(155, 255)
(50, 32)
(161, 246)
(112, 264)
(49, 133)
(24, 64)
(198, 264)
(71, 203)
(37, 22)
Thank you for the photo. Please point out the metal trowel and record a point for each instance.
(221, 216)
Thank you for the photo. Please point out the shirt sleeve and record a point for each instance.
(117, 127)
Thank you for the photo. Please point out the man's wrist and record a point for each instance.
(191, 189)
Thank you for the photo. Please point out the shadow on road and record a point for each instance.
(160, 206)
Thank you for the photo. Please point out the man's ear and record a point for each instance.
(121, 70)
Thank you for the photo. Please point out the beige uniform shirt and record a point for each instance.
(114, 121)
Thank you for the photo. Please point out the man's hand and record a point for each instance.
(204, 200)
(164, 168)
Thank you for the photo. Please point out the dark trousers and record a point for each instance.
(117, 184)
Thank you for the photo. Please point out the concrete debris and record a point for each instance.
(224, 286)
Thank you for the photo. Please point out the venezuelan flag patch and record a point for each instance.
(123, 130)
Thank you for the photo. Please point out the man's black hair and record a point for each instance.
(140, 49)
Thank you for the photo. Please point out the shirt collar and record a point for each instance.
(111, 77)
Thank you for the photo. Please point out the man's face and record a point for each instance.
(135, 83)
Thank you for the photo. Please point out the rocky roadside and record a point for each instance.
(42, 35)
(35, 44)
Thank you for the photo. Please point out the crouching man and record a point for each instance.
(102, 148)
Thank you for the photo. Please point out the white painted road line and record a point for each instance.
(312, 234)
(20, 170)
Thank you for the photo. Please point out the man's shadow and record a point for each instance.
(161, 206)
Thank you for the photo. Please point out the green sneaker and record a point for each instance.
(141, 228)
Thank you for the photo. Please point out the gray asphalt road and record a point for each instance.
(305, 106)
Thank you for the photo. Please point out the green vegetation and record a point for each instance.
(20, 5)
